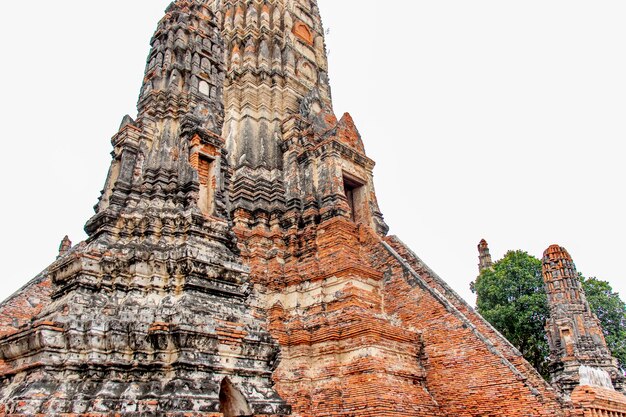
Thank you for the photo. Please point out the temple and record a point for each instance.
(153, 313)
(578, 352)
(238, 264)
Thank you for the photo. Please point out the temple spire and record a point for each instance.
(65, 246)
(275, 56)
(484, 257)
(152, 313)
(184, 69)
(578, 351)
(172, 155)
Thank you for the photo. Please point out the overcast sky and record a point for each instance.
(502, 120)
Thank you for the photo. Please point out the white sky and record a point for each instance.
(496, 119)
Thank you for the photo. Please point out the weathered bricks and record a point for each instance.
(220, 273)
(575, 337)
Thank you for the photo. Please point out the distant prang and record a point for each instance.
(238, 264)
(579, 355)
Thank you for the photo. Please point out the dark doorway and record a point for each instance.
(352, 188)
(205, 175)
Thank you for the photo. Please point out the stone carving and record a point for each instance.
(238, 262)
(65, 246)
(153, 315)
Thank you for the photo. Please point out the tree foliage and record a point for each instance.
(611, 312)
(512, 297)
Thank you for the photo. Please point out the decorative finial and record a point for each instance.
(65, 246)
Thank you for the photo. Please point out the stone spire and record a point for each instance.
(65, 246)
(184, 71)
(180, 115)
(275, 56)
(484, 257)
(578, 350)
(279, 123)
(153, 314)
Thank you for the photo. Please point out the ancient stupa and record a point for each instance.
(238, 264)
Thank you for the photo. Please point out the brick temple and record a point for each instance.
(238, 264)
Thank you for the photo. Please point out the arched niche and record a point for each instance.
(204, 88)
(232, 401)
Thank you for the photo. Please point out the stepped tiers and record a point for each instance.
(238, 263)
(578, 351)
(153, 314)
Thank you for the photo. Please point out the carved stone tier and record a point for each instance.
(578, 352)
(154, 315)
(238, 264)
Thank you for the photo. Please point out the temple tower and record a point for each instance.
(275, 55)
(302, 194)
(277, 109)
(578, 351)
(153, 314)
(238, 261)
(484, 257)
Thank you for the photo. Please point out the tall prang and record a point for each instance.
(278, 109)
(578, 351)
(152, 314)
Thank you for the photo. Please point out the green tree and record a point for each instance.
(512, 297)
(611, 312)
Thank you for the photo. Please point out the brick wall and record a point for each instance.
(25, 304)
(598, 402)
(367, 333)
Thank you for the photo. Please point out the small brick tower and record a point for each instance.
(65, 246)
(578, 351)
(484, 257)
